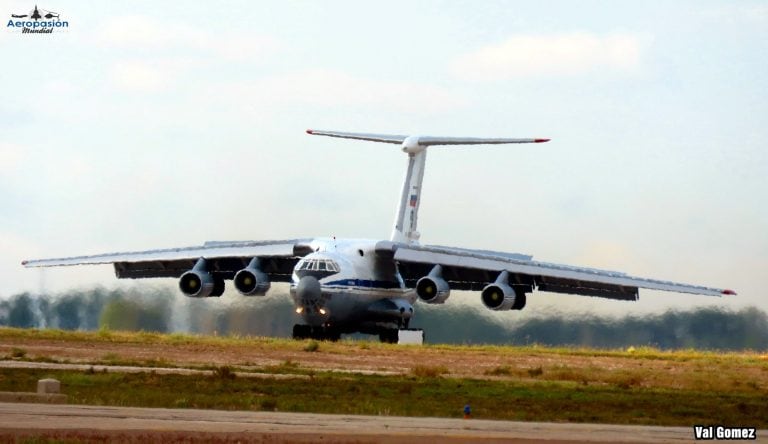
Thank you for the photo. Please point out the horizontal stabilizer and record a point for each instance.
(385, 138)
(423, 140)
(429, 141)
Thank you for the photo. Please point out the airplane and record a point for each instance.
(35, 14)
(343, 286)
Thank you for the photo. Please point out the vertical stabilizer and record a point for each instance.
(416, 147)
(407, 214)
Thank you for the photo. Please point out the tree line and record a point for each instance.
(160, 309)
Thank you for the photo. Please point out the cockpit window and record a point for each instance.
(318, 265)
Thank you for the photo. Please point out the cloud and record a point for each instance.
(10, 156)
(337, 88)
(159, 51)
(145, 32)
(152, 35)
(734, 14)
(137, 75)
(617, 255)
(149, 75)
(551, 55)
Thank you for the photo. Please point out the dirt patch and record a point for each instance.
(466, 362)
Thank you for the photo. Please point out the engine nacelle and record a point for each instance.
(433, 289)
(199, 283)
(498, 296)
(196, 285)
(251, 281)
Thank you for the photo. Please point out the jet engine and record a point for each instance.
(501, 296)
(498, 296)
(251, 281)
(199, 283)
(432, 288)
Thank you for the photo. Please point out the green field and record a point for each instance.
(729, 388)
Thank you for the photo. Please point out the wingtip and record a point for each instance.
(24, 262)
(729, 292)
(542, 140)
(309, 131)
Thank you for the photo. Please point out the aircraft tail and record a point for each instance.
(416, 147)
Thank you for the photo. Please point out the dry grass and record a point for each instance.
(643, 367)
(641, 385)
(428, 371)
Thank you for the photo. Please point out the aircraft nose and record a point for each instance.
(308, 288)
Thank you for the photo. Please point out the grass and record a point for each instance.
(407, 395)
(428, 371)
(343, 347)
(312, 346)
(639, 385)
(347, 347)
(17, 352)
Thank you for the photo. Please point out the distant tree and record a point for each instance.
(20, 313)
(67, 312)
(93, 304)
(121, 314)
(459, 325)
(150, 309)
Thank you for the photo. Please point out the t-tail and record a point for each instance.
(406, 218)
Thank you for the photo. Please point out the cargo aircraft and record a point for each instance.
(342, 286)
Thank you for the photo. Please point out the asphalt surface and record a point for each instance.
(28, 418)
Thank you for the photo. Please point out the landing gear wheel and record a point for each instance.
(325, 334)
(389, 336)
(316, 333)
(301, 331)
(331, 334)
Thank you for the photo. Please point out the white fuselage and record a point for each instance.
(355, 285)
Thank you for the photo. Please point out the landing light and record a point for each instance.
(299, 310)
(322, 311)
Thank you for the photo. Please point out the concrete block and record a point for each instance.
(46, 386)
(410, 336)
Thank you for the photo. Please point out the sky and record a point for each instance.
(160, 124)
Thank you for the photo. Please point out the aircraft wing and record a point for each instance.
(473, 269)
(225, 258)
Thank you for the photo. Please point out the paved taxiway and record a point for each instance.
(298, 427)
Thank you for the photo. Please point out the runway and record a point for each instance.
(128, 423)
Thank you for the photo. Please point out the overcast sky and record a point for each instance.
(161, 124)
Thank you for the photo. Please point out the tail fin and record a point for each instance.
(416, 147)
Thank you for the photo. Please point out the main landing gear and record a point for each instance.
(386, 335)
(389, 335)
(320, 333)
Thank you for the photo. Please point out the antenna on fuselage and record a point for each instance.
(406, 217)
